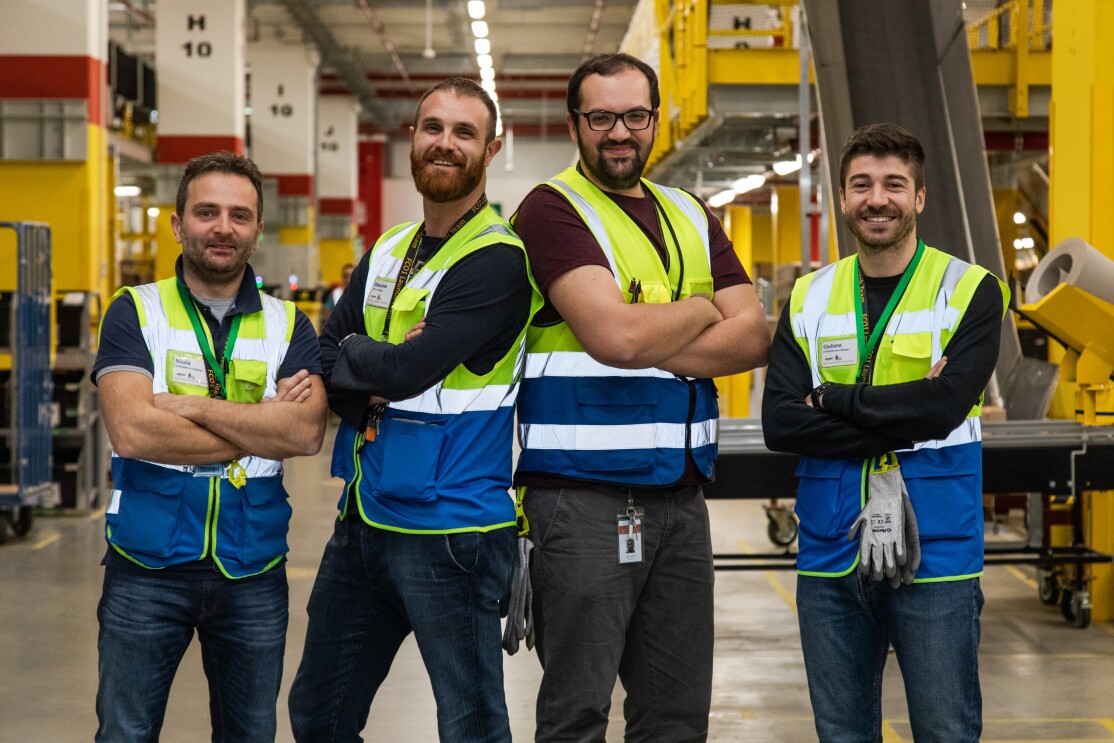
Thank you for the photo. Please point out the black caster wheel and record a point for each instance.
(21, 521)
(781, 526)
(1048, 589)
(1076, 608)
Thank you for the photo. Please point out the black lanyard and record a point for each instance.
(869, 346)
(217, 371)
(410, 264)
(660, 213)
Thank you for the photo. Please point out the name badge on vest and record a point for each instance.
(379, 295)
(842, 352)
(188, 370)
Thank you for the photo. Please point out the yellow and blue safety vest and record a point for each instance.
(582, 419)
(944, 477)
(161, 514)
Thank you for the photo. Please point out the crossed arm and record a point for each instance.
(186, 429)
(693, 337)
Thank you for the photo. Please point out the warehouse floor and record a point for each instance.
(1042, 679)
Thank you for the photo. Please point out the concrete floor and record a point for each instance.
(1043, 680)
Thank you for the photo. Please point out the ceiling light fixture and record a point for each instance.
(749, 183)
(487, 74)
(479, 29)
(785, 167)
(483, 46)
(476, 9)
(722, 198)
(484, 61)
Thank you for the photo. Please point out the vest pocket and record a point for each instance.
(912, 355)
(150, 507)
(409, 309)
(819, 497)
(947, 496)
(246, 380)
(411, 451)
(616, 428)
(266, 519)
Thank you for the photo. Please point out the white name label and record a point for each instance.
(843, 352)
(380, 293)
(189, 370)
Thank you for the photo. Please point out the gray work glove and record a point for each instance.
(520, 615)
(881, 525)
(912, 543)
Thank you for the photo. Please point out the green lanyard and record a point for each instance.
(201, 330)
(867, 348)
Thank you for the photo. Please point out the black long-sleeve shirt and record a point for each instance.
(480, 306)
(860, 420)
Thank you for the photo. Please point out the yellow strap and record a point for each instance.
(520, 515)
(884, 463)
(237, 475)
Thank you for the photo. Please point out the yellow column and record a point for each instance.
(734, 391)
(1082, 129)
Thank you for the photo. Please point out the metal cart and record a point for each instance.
(27, 430)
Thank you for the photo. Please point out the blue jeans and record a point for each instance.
(847, 625)
(648, 622)
(148, 621)
(375, 587)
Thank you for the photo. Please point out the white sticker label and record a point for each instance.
(380, 293)
(189, 370)
(114, 504)
(843, 352)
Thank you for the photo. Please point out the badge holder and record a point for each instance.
(629, 521)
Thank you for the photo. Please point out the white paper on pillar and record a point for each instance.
(283, 107)
(49, 27)
(337, 156)
(200, 55)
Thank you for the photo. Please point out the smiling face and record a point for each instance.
(614, 160)
(880, 203)
(219, 228)
(448, 154)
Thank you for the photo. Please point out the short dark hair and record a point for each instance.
(607, 65)
(882, 140)
(462, 86)
(221, 162)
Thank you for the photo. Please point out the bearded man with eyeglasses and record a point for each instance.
(646, 302)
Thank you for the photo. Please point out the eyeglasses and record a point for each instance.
(634, 120)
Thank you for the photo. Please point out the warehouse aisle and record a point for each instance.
(1042, 679)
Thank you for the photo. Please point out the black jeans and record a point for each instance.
(649, 623)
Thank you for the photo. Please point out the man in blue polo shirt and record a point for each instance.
(197, 522)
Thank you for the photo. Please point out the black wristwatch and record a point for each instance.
(816, 394)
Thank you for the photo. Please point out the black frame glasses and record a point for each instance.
(603, 125)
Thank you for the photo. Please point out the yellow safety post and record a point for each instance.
(734, 391)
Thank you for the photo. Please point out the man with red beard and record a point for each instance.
(646, 302)
(198, 517)
(876, 377)
(422, 358)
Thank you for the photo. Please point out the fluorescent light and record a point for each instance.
(476, 9)
(487, 74)
(785, 167)
(1028, 242)
(483, 46)
(749, 183)
(722, 198)
(1017, 243)
(488, 85)
(493, 95)
(1019, 218)
(153, 211)
(484, 61)
(126, 191)
(479, 29)
(498, 127)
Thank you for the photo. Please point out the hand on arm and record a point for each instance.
(291, 424)
(139, 429)
(737, 343)
(626, 336)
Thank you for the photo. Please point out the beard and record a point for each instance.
(616, 175)
(214, 269)
(440, 186)
(906, 224)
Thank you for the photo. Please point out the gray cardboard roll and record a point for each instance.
(1073, 262)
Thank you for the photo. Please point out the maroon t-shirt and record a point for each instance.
(557, 241)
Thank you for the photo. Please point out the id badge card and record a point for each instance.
(629, 522)
(216, 469)
(379, 294)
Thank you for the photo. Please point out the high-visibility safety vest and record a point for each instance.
(441, 461)
(162, 514)
(582, 419)
(943, 477)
